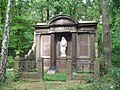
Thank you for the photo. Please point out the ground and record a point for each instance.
(50, 83)
(40, 85)
(13, 84)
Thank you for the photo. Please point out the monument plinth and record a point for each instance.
(61, 64)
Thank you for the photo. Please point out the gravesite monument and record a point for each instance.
(62, 44)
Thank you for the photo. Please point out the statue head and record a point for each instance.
(63, 38)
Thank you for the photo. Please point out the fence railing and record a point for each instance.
(82, 66)
(27, 65)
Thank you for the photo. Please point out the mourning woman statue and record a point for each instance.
(63, 45)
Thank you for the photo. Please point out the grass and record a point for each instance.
(55, 77)
(49, 84)
(53, 82)
(27, 85)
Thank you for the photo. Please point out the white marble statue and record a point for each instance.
(63, 46)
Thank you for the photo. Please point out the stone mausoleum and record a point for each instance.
(65, 45)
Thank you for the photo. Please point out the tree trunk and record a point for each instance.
(47, 10)
(5, 42)
(106, 32)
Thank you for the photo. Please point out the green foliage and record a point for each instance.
(100, 40)
(115, 75)
(55, 77)
(10, 74)
(114, 20)
(78, 87)
(10, 62)
(109, 81)
(102, 83)
(96, 85)
(116, 58)
(21, 34)
(25, 13)
(1, 32)
(103, 70)
(89, 79)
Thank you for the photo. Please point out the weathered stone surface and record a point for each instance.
(69, 70)
(81, 76)
(79, 46)
(51, 71)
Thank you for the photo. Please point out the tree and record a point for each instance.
(2, 17)
(114, 20)
(106, 33)
(5, 42)
(21, 35)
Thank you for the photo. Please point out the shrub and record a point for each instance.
(10, 62)
(114, 73)
(12, 74)
(115, 59)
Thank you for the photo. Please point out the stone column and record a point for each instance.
(40, 68)
(37, 46)
(92, 50)
(17, 61)
(52, 51)
(96, 63)
(17, 65)
(69, 70)
(74, 45)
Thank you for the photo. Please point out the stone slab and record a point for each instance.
(51, 71)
